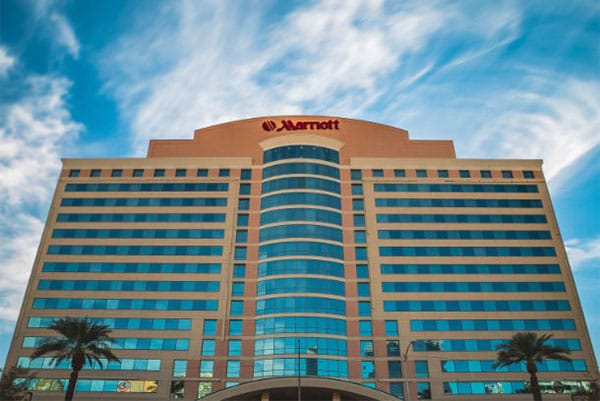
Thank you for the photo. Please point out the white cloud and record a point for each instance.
(34, 133)
(6, 61)
(64, 35)
(584, 253)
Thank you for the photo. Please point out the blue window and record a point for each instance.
(124, 304)
(116, 173)
(242, 220)
(208, 348)
(125, 364)
(421, 370)
(159, 172)
(364, 308)
(235, 327)
(301, 168)
(148, 187)
(246, 174)
(243, 204)
(290, 183)
(301, 231)
(357, 189)
(300, 305)
(507, 174)
(476, 345)
(365, 328)
(399, 173)
(207, 368)
(363, 289)
(241, 236)
(301, 324)
(302, 152)
(367, 369)
(128, 285)
(391, 328)
(124, 202)
(442, 173)
(485, 174)
(492, 325)
(475, 306)
(464, 174)
(202, 172)
(84, 267)
(302, 345)
(477, 251)
(463, 218)
(355, 175)
(74, 173)
(245, 189)
(394, 369)
(239, 271)
(308, 366)
(233, 368)
(360, 253)
(95, 173)
(301, 214)
(359, 220)
(362, 271)
(360, 237)
(421, 173)
(124, 323)
(237, 289)
(138, 172)
(366, 348)
(301, 266)
(138, 233)
(240, 253)
(377, 172)
(234, 348)
(301, 284)
(470, 203)
(470, 269)
(358, 204)
(392, 348)
(224, 172)
(528, 174)
(467, 188)
(180, 172)
(464, 234)
(179, 368)
(134, 250)
(237, 308)
(300, 198)
(471, 286)
(301, 248)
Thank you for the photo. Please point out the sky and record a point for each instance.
(502, 79)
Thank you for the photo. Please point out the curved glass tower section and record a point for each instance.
(301, 307)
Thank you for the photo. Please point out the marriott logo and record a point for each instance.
(290, 125)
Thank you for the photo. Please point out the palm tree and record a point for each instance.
(82, 341)
(14, 383)
(529, 348)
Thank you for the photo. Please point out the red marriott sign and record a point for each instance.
(290, 125)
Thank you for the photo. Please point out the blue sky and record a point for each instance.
(503, 79)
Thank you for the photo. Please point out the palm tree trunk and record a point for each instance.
(72, 382)
(535, 385)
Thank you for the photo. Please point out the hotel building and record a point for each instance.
(307, 257)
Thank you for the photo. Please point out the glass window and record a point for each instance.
(424, 390)
(245, 189)
(202, 172)
(421, 173)
(358, 204)
(360, 237)
(116, 173)
(355, 174)
(507, 174)
(391, 328)
(464, 173)
(365, 328)
(244, 204)
(485, 174)
(224, 172)
(357, 189)
(393, 348)
(362, 271)
(235, 327)
(359, 220)
(377, 172)
(204, 389)
(159, 172)
(241, 236)
(394, 369)
(442, 173)
(237, 289)
(179, 368)
(246, 174)
(528, 174)
(364, 308)
(74, 173)
(421, 370)
(367, 369)
(399, 173)
(210, 328)
(207, 368)
(366, 348)
(363, 289)
(237, 308)
(234, 348)
(233, 368)
(239, 271)
(95, 173)
(240, 253)
(360, 253)
(138, 172)
(242, 220)
(180, 172)
(208, 347)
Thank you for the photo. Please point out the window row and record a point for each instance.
(300, 198)
(123, 323)
(300, 214)
(129, 285)
(173, 344)
(143, 202)
(441, 173)
(135, 250)
(482, 345)
(300, 305)
(301, 231)
(486, 286)
(300, 266)
(245, 174)
(469, 188)
(290, 183)
(470, 269)
(470, 203)
(492, 325)
(465, 234)
(463, 218)
(140, 218)
(300, 345)
(476, 306)
(301, 168)
(300, 248)
(125, 304)
(84, 267)
(308, 367)
(95, 385)
(515, 387)
(138, 233)
(480, 366)
(295, 285)
(300, 324)
(123, 364)
(301, 152)
(466, 251)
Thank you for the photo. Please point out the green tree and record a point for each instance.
(14, 383)
(81, 341)
(530, 348)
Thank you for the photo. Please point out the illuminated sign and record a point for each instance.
(290, 125)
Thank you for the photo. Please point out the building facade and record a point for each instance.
(330, 257)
